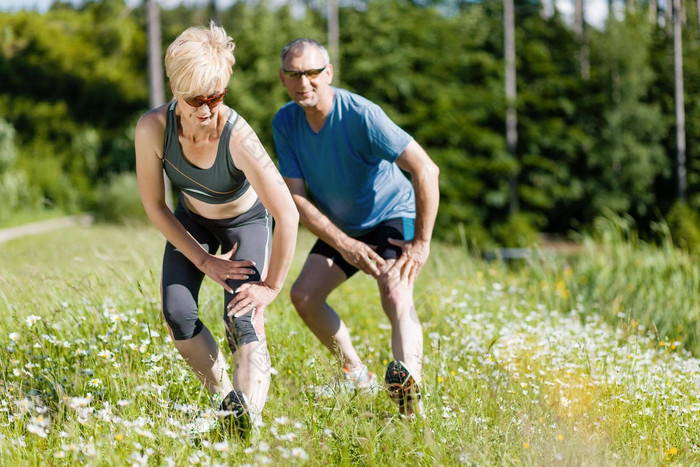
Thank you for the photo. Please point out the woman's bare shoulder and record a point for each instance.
(153, 120)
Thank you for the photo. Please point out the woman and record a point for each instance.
(228, 186)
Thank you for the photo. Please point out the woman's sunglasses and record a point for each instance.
(198, 101)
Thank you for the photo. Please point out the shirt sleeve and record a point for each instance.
(286, 157)
(386, 139)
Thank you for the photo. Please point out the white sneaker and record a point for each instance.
(361, 379)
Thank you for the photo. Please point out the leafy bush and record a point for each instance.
(17, 193)
(684, 223)
(118, 200)
(8, 151)
(519, 230)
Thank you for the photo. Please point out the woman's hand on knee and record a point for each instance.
(251, 295)
(222, 268)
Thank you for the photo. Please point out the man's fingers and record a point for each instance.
(373, 270)
(373, 256)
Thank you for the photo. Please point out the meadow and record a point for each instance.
(585, 359)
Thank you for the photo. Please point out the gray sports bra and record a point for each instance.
(220, 183)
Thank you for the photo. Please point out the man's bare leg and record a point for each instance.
(318, 278)
(406, 330)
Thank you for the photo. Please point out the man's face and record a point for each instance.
(305, 91)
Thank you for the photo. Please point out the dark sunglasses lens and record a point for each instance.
(292, 74)
(200, 101)
(193, 101)
(313, 73)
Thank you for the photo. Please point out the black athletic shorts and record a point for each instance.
(401, 228)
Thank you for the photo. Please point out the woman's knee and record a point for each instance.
(244, 329)
(183, 323)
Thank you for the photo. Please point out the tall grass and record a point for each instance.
(522, 365)
(643, 286)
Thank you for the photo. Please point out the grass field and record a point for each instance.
(579, 360)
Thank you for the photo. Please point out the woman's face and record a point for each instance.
(201, 109)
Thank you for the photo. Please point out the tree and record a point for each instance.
(680, 110)
(627, 156)
(511, 95)
(156, 92)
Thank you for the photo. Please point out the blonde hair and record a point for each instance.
(200, 61)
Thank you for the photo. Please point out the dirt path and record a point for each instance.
(44, 226)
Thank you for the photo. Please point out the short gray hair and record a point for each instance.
(302, 43)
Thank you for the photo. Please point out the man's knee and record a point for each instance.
(393, 289)
(302, 298)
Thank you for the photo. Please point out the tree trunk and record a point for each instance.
(680, 110)
(156, 91)
(333, 38)
(511, 115)
(581, 37)
(654, 11)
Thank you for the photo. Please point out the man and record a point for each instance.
(367, 215)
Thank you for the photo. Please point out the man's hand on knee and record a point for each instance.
(363, 257)
(414, 255)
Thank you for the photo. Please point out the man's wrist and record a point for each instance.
(342, 242)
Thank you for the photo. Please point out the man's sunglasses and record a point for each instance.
(311, 74)
(198, 101)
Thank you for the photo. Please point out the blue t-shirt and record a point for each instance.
(349, 166)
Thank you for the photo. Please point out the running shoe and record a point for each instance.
(360, 379)
(235, 416)
(403, 389)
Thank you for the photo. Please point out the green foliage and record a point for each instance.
(70, 80)
(628, 156)
(16, 191)
(117, 200)
(8, 151)
(684, 225)
(519, 230)
(553, 143)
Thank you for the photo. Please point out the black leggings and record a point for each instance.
(182, 280)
